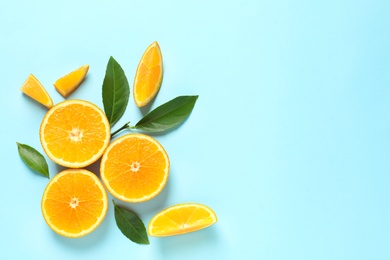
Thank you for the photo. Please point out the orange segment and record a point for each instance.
(68, 83)
(75, 133)
(74, 203)
(34, 89)
(181, 219)
(148, 77)
(135, 168)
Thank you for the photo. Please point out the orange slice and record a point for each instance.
(74, 203)
(68, 83)
(135, 168)
(148, 77)
(181, 219)
(34, 89)
(75, 133)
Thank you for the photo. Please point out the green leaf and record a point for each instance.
(130, 225)
(33, 159)
(115, 91)
(167, 115)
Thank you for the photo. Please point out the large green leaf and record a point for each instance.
(168, 115)
(115, 91)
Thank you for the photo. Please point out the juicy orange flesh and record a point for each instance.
(74, 203)
(75, 133)
(182, 220)
(149, 74)
(68, 83)
(134, 172)
(34, 89)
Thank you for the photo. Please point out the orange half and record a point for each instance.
(68, 83)
(74, 203)
(135, 168)
(35, 90)
(149, 74)
(181, 219)
(75, 133)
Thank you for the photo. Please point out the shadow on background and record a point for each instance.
(146, 109)
(95, 167)
(198, 241)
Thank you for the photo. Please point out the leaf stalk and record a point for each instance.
(127, 125)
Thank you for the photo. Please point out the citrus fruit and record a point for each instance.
(135, 168)
(75, 133)
(181, 219)
(68, 83)
(149, 74)
(34, 89)
(74, 203)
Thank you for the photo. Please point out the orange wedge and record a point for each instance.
(68, 83)
(74, 203)
(135, 168)
(181, 219)
(34, 89)
(148, 77)
(75, 133)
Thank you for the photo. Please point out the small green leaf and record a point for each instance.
(130, 225)
(115, 91)
(33, 159)
(167, 115)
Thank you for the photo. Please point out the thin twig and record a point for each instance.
(120, 129)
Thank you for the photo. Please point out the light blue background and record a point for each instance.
(288, 141)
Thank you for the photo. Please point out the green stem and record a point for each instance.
(120, 129)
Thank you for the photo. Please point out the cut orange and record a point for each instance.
(181, 219)
(135, 168)
(148, 77)
(34, 89)
(75, 133)
(74, 203)
(68, 83)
